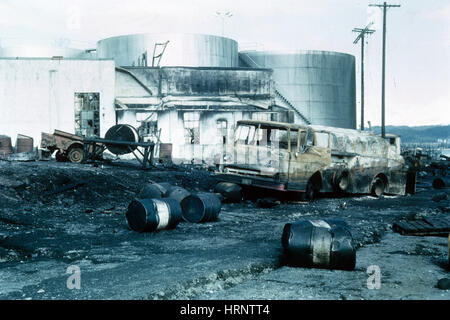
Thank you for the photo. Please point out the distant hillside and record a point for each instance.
(418, 134)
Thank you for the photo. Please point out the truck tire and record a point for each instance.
(377, 188)
(342, 181)
(311, 192)
(60, 157)
(76, 155)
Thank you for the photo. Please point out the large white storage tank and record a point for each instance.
(25, 51)
(319, 84)
(190, 50)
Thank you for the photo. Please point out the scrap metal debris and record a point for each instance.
(427, 226)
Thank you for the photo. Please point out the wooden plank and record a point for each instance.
(430, 226)
(439, 223)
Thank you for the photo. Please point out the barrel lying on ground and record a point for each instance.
(150, 191)
(164, 187)
(147, 215)
(319, 243)
(178, 194)
(441, 182)
(202, 207)
(230, 191)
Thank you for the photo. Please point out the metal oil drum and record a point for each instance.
(148, 215)
(319, 243)
(5, 146)
(201, 207)
(24, 143)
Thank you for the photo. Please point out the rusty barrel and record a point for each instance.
(165, 152)
(150, 191)
(178, 193)
(230, 191)
(201, 207)
(5, 146)
(24, 143)
(319, 243)
(148, 215)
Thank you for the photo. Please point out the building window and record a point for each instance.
(222, 130)
(87, 118)
(191, 127)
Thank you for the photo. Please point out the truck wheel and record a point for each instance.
(377, 188)
(76, 155)
(310, 193)
(60, 157)
(342, 182)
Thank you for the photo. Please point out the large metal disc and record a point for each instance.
(121, 132)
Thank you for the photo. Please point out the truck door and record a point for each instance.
(312, 156)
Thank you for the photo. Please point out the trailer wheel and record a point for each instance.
(60, 157)
(377, 187)
(76, 155)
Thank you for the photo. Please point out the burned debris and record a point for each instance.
(313, 159)
(239, 149)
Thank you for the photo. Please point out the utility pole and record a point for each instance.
(222, 15)
(362, 33)
(385, 6)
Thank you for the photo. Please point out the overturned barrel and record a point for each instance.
(230, 191)
(202, 207)
(147, 215)
(178, 193)
(319, 243)
(24, 143)
(150, 191)
(441, 182)
(164, 187)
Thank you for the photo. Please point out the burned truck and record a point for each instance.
(313, 159)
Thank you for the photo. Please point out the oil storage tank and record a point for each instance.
(188, 50)
(26, 51)
(319, 85)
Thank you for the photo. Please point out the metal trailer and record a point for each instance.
(94, 147)
(77, 149)
(68, 146)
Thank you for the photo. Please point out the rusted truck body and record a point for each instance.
(68, 146)
(312, 159)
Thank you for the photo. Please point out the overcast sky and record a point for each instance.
(418, 38)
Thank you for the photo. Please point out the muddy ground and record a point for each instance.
(240, 256)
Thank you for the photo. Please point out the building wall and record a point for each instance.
(217, 93)
(173, 131)
(177, 81)
(38, 95)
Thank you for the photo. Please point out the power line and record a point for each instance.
(361, 36)
(385, 6)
